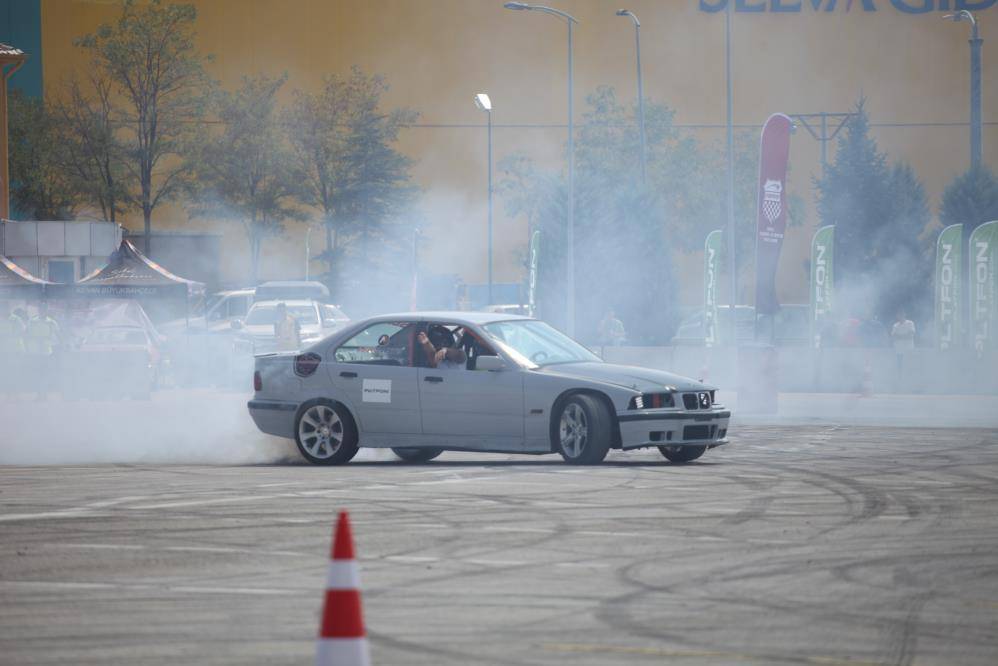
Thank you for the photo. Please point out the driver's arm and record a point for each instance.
(428, 349)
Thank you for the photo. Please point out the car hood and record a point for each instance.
(645, 380)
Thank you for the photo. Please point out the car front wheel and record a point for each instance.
(682, 454)
(583, 430)
(416, 455)
(325, 434)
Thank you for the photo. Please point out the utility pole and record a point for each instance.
(975, 84)
(821, 132)
(732, 261)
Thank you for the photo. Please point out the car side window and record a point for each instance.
(239, 306)
(384, 343)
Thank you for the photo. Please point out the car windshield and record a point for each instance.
(533, 342)
(267, 314)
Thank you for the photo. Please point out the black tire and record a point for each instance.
(582, 416)
(335, 445)
(416, 455)
(682, 454)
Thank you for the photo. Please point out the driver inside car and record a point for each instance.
(442, 349)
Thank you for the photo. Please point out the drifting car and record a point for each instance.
(524, 388)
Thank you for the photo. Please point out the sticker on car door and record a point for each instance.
(377, 390)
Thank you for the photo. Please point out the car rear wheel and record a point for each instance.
(682, 454)
(325, 434)
(416, 455)
(582, 432)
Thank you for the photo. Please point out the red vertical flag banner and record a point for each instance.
(774, 151)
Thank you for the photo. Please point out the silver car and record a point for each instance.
(525, 388)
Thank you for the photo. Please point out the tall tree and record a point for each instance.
(150, 57)
(879, 212)
(971, 199)
(40, 187)
(625, 232)
(347, 164)
(94, 157)
(244, 173)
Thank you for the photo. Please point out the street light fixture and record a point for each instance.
(641, 94)
(483, 102)
(975, 84)
(570, 230)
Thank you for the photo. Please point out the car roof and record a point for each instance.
(452, 317)
(293, 285)
(286, 301)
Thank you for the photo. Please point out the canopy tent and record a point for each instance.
(131, 274)
(18, 284)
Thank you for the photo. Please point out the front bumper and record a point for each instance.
(640, 428)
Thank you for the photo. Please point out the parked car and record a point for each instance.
(292, 290)
(115, 361)
(315, 320)
(791, 326)
(220, 311)
(525, 388)
(508, 308)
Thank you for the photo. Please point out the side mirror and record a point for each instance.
(236, 325)
(329, 323)
(489, 363)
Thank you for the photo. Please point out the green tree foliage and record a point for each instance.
(639, 225)
(971, 200)
(94, 157)
(149, 56)
(879, 212)
(40, 187)
(625, 230)
(244, 173)
(348, 167)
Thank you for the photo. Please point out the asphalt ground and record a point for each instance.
(793, 545)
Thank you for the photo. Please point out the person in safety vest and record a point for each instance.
(287, 331)
(42, 335)
(41, 340)
(11, 330)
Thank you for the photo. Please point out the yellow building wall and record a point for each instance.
(436, 54)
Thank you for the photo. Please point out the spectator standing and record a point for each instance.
(287, 330)
(41, 341)
(11, 348)
(903, 337)
(611, 330)
(12, 328)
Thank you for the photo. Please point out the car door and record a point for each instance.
(472, 408)
(374, 374)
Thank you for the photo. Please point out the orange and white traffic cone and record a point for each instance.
(342, 639)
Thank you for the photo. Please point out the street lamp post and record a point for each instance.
(641, 94)
(975, 84)
(308, 251)
(732, 262)
(570, 231)
(483, 102)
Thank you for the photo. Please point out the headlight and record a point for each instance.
(652, 401)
